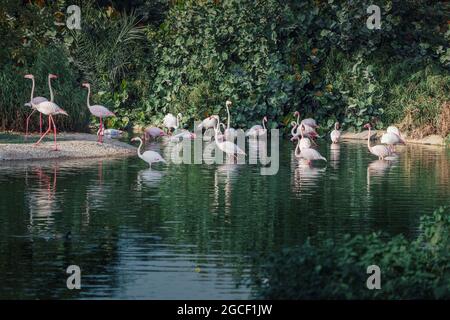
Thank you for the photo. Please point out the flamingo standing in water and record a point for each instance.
(380, 151)
(257, 130)
(36, 100)
(230, 133)
(49, 109)
(392, 137)
(308, 128)
(148, 156)
(228, 147)
(153, 132)
(170, 121)
(98, 111)
(335, 135)
(308, 154)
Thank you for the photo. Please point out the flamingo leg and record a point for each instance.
(28, 121)
(40, 123)
(46, 132)
(54, 132)
(100, 136)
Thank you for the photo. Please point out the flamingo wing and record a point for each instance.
(100, 111)
(380, 151)
(309, 122)
(152, 156)
(48, 107)
(311, 154)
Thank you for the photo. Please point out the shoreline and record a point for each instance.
(71, 146)
(434, 140)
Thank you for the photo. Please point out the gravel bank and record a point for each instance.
(70, 145)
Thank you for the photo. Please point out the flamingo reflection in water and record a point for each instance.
(335, 151)
(377, 168)
(305, 178)
(149, 178)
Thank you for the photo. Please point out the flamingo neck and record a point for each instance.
(139, 152)
(264, 124)
(335, 126)
(298, 118)
(32, 90)
(228, 120)
(297, 150)
(294, 127)
(88, 95)
(50, 88)
(301, 131)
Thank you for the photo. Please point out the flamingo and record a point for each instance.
(98, 111)
(208, 123)
(302, 129)
(308, 154)
(48, 108)
(36, 100)
(304, 143)
(392, 137)
(170, 121)
(257, 130)
(336, 133)
(153, 132)
(230, 133)
(380, 151)
(148, 156)
(308, 121)
(228, 147)
(183, 135)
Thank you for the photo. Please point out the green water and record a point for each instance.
(193, 231)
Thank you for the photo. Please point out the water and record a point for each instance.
(192, 231)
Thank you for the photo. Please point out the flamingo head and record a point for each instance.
(337, 125)
(162, 134)
(29, 76)
(136, 139)
(367, 126)
(265, 119)
(296, 114)
(228, 103)
(52, 76)
(86, 85)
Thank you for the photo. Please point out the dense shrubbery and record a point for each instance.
(146, 58)
(417, 269)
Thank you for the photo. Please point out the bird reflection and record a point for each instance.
(335, 151)
(42, 199)
(305, 177)
(150, 178)
(377, 168)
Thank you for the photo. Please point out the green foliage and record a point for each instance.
(146, 58)
(209, 52)
(416, 269)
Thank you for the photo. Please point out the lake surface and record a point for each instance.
(192, 231)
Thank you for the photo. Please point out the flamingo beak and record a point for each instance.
(53, 76)
(28, 76)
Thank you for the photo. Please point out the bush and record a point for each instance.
(416, 269)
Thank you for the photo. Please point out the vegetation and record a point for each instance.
(416, 269)
(149, 57)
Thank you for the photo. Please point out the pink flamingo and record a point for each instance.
(380, 151)
(308, 154)
(36, 100)
(48, 108)
(335, 134)
(153, 132)
(98, 111)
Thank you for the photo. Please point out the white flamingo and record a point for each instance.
(36, 100)
(170, 121)
(47, 108)
(228, 147)
(304, 143)
(230, 133)
(308, 154)
(380, 151)
(98, 111)
(148, 156)
(208, 123)
(336, 133)
(258, 130)
(307, 122)
(392, 137)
